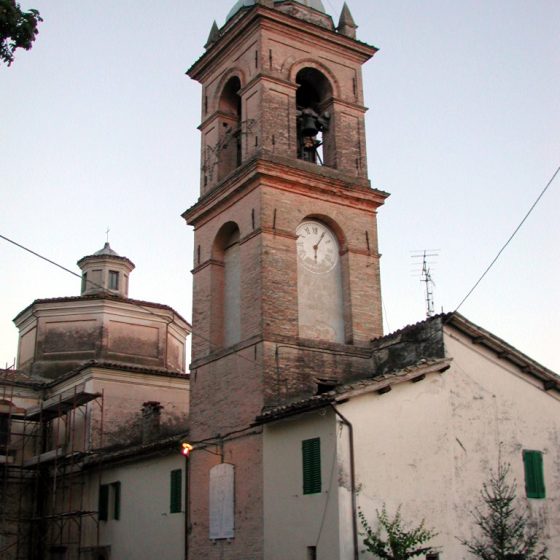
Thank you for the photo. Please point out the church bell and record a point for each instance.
(309, 125)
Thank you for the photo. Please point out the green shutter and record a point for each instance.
(103, 505)
(311, 454)
(534, 474)
(175, 501)
(116, 500)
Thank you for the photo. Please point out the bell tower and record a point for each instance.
(286, 289)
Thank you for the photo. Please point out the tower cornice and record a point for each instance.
(286, 174)
(271, 18)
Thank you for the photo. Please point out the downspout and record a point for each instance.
(187, 506)
(346, 422)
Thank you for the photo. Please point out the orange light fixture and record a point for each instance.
(186, 448)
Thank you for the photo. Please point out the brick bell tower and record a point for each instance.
(286, 290)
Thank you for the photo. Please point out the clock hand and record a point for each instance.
(316, 246)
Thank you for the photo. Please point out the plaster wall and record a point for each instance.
(117, 417)
(294, 521)
(124, 394)
(428, 447)
(146, 528)
(56, 337)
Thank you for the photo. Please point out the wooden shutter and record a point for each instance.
(534, 474)
(103, 505)
(311, 454)
(176, 491)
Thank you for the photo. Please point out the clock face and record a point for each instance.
(317, 247)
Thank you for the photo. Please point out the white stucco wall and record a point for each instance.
(146, 529)
(294, 521)
(427, 447)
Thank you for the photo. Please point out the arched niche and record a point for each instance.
(226, 286)
(230, 117)
(314, 100)
(320, 285)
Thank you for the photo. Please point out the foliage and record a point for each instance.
(505, 532)
(17, 29)
(392, 541)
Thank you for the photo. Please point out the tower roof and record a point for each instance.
(315, 4)
(106, 251)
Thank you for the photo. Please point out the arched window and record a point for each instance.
(227, 287)
(229, 148)
(313, 101)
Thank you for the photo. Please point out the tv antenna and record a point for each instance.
(426, 277)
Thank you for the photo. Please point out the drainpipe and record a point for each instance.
(346, 422)
(187, 506)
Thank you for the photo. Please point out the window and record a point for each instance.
(229, 146)
(103, 506)
(432, 556)
(176, 496)
(116, 492)
(534, 474)
(84, 282)
(109, 501)
(113, 280)
(4, 433)
(313, 105)
(311, 455)
(311, 553)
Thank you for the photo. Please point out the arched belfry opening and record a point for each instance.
(229, 149)
(313, 109)
(226, 287)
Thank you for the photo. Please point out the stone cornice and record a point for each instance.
(272, 18)
(286, 174)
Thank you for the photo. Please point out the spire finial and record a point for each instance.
(107, 234)
(213, 36)
(346, 24)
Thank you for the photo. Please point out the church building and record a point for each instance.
(293, 426)
(299, 414)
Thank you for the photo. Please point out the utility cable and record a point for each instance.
(134, 303)
(508, 241)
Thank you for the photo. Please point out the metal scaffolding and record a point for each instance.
(44, 511)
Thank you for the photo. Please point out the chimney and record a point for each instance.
(151, 416)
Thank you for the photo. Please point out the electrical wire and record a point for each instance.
(509, 240)
(134, 303)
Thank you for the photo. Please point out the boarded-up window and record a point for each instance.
(534, 474)
(176, 486)
(221, 501)
(311, 456)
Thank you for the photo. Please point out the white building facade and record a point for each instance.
(424, 438)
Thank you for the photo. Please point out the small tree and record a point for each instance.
(505, 532)
(17, 29)
(392, 541)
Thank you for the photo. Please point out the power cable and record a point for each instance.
(134, 303)
(508, 241)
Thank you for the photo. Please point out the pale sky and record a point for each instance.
(98, 130)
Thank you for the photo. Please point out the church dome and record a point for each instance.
(315, 4)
